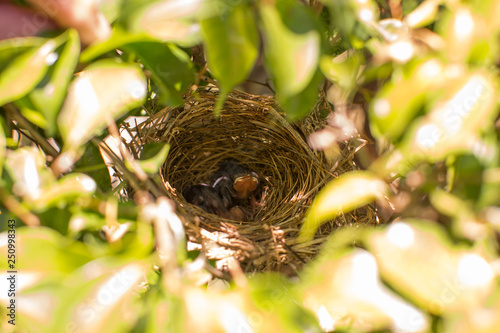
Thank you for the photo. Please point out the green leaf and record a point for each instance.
(175, 21)
(231, 44)
(170, 68)
(345, 291)
(23, 73)
(349, 191)
(292, 45)
(48, 96)
(153, 156)
(69, 187)
(354, 19)
(111, 9)
(343, 70)
(106, 90)
(300, 105)
(31, 112)
(442, 277)
(399, 101)
(118, 39)
(3, 145)
(466, 109)
(92, 164)
(271, 293)
(45, 250)
(423, 15)
(15, 47)
(101, 299)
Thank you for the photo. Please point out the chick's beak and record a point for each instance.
(245, 185)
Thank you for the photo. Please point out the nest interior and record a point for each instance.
(251, 130)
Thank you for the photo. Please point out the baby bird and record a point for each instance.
(207, 198)
(234, 182)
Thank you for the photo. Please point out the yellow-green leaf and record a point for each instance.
(349, 191)
(24, 72)
(153, 156)
(398, 102)
(292, 45)
(449, 279)
(48, 96)
(346, 292)
(105, 91)
(454, 124)
(232, 44)
(173, 21)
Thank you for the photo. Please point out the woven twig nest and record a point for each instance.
(252, 131)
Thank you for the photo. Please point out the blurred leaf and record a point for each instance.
(170, 68)
(56, 218)
(153, 155)
(103, 92)
(292, 50)
(31, 112)
(467, 108)
(46, 251)
(111, 9)
(461, 32)
(354, 19)
(67, 188)
(448, 280)
(24, 72)
(346, 292)
(300, 105)
(92, 164)
(3, 146)
(424, 14)
(271, 293)
(27, 167)
(343, 70)
(101, 297)
(85, 221)
(292, 45)
(210, 311)
(173, 21)
(12, 48)
(399, 101)
(117, 40)
(231, 45)
(467, 172)
(490, 189)
(160, 312)
(449, 204)
(468, 322)
(351, 190)
(48, 96)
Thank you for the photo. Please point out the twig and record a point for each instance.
(267, 85)
(217, 273)
(30, 219)
(24, 123)
(129, 176)
(127, 156)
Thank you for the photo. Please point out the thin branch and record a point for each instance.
(24, 123)
(129, 176)
(267, 85)
(14, 206)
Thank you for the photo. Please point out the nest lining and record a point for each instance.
(252, 131)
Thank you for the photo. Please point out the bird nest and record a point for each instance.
(252, 131)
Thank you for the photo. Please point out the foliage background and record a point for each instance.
(417, 80)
